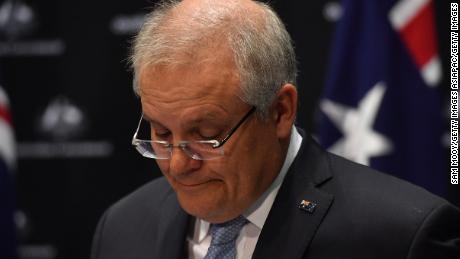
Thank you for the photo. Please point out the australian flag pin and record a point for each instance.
(307, 206)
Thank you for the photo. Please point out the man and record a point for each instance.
(216, 83)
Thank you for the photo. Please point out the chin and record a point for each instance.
(199, 209)
(209, 207)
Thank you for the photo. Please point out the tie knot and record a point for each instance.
(226, 232)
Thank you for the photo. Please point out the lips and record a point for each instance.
(192, 184)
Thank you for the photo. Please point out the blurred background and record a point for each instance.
(68, 112)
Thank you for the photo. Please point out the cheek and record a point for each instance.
(238, 170)
(228, 170)
(256, 160)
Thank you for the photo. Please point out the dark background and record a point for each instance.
(83, 166)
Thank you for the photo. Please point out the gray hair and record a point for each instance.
(261, 46)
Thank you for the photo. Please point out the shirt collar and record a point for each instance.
(201, 229)
(258, 212)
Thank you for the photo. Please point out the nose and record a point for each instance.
(181, 164)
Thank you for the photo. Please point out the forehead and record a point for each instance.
(212, 82)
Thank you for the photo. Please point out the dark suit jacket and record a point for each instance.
(360, 213)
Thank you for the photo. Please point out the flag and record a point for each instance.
(7, 158)
(381, 102)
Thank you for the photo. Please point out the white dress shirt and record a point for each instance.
(199, 238)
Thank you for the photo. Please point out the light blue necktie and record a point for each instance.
(224, 239)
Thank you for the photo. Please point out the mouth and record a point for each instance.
(193, 185)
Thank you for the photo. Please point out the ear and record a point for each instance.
(285, 110)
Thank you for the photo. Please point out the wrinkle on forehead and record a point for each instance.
(177, 107)
(187, 116)
(172, 89)
(170, 94)
(175, 85)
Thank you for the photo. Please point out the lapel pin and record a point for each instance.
(307, 206)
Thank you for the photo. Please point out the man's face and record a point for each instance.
(200, 101)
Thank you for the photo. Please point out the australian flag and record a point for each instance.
(7, 158)
(381, 102)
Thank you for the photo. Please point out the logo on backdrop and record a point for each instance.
(17, 21)
(63, 126)
(62, 120)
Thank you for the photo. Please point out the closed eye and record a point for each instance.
(205, 137)
(162, 135)
(207, 133)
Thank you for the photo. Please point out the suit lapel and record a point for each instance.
(172, 231)
(288, 230)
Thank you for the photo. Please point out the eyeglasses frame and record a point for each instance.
(182, 144)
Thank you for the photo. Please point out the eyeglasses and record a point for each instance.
(197, 149)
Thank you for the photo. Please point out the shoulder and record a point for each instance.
(374, 208)
(126, 225)
(147, 196)
(146, 200)
(370, 188)
(356, 185)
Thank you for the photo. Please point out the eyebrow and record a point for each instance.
(209, 117)
(152, 121)
(206, 116)
(147, 118)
